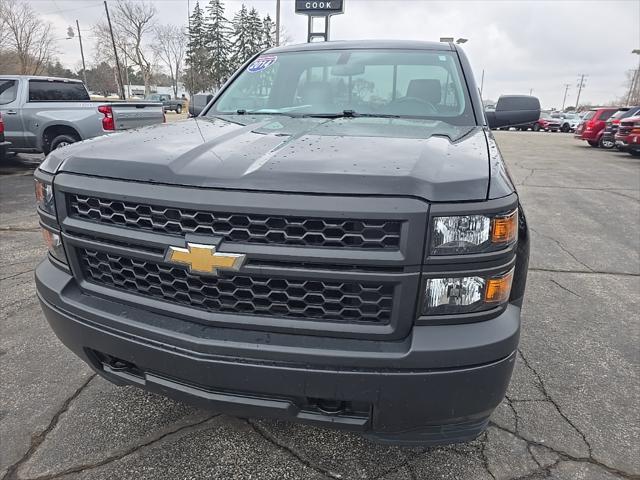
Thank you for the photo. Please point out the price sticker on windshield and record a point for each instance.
(262, 63)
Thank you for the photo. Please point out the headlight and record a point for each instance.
(465, 294)
(44, 197)
(465, 234)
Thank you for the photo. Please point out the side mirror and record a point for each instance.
(514, 110)
(198, 102)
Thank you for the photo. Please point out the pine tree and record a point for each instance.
(241, 48)
(268, 32)
(255, 32)
(197, 75)
(218, 42)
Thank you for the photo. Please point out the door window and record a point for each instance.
(8, 91)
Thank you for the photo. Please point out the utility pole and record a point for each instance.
(530, 91)
(581, 85)
(566, 89)
(115, 52)
(84, 68)
(277, 23)
(482, 83)
(634, 88)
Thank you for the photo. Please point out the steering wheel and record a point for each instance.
(418, 106)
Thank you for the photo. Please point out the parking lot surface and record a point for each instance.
(571, 411)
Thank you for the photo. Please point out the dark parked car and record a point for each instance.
(593, 124)
(306, 248)
(608, 137)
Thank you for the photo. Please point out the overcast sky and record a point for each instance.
(520, 44)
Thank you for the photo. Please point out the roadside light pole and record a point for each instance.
(277, 23)
(84, 68)
(566, 89)
(580, 87)
(634, 88)
(115, 52)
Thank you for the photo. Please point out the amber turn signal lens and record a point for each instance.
(504, 229)
(40, 192)
(498, 289)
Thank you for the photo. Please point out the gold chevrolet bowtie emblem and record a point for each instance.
(204, 258)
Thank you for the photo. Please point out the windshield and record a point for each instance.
(404, 83)
(153, 97)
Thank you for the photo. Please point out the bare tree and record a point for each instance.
(133, 24)
(4, 30)
(171, 42)
(25, 35)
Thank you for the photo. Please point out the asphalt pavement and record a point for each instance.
(571, 411)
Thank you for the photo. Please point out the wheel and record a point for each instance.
(536, 127)
(179, 109)
(62, 141)
(565, 128)
(608, 144)
(592, 143)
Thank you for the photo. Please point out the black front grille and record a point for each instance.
(625, 128)
(240, 228)
(329, 300)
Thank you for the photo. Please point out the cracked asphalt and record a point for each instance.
(571, 411)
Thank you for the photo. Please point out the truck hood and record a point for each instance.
(422, 158)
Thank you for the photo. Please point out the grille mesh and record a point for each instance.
(351, 302)
(241, 228)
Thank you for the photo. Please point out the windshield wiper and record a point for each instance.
(350, 114)
(242, 111)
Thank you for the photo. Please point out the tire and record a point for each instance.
(592, 143)
(536, 127)
(634, 153)
(606, 144)
(565, 128)
(62, 141)
(179, 109)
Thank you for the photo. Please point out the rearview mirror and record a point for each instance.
(514, 110)
(348, 70)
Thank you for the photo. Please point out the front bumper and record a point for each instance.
(438, 385)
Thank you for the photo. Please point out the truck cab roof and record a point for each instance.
(364, 44)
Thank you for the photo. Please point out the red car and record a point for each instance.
(628, 135)
(3, 143)
(593, 124)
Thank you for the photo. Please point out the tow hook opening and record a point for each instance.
(116, 365)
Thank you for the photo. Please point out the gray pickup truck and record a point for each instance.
(43, 113)
(335, 240)
(168, 104)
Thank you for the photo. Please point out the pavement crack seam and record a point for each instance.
(16, 275)
(483, 455)
(515, 413)
(125, 453)
(527, 176)
(547, 396)
(563, 248)
(583, 272)
(407, 464)
(36, 440)
(268, 436)
(564, 288)
(564, 456)
(12, 228)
